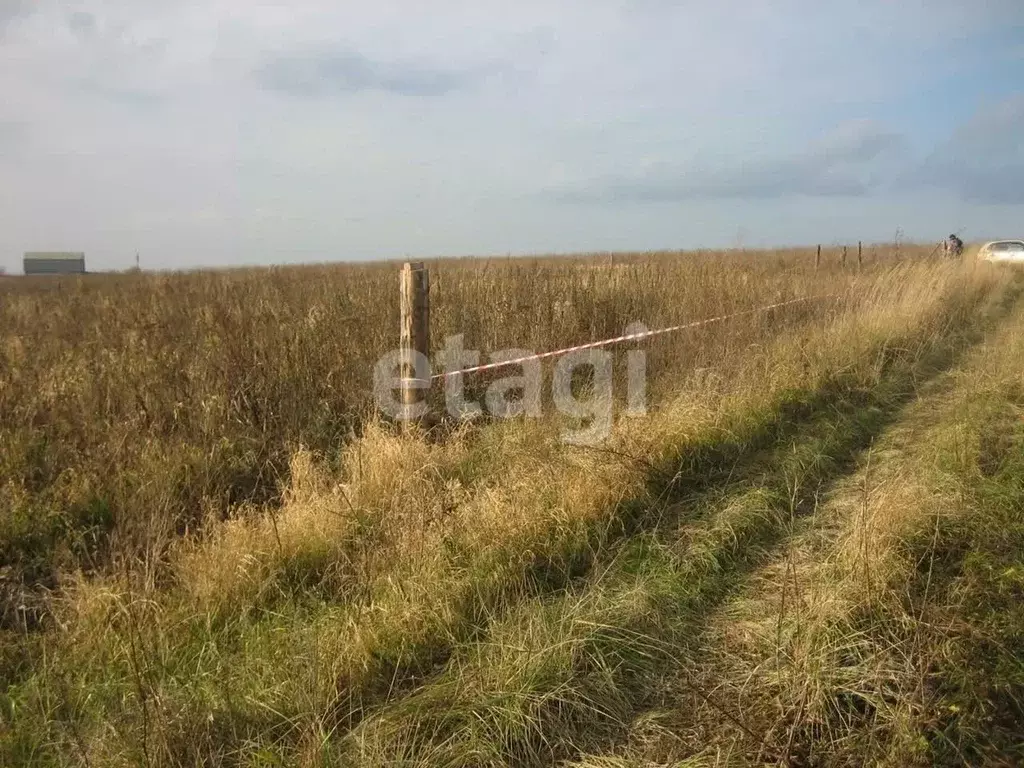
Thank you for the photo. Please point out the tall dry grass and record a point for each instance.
(133, 407)
(275, 633)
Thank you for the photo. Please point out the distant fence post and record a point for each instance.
(415, 332)
(860, 255)
(817, 259)
(844, 257)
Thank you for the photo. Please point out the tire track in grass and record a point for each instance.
(703, 711)
(699, 469)
(552, 695)
(562, 675)
(779, 676)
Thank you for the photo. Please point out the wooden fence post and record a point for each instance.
(844, 257)
(817, 259)
(860, 255)
(415, 334)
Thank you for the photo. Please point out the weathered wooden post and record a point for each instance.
(415, 337)
(860, 255)
(817, 259)
(844, 257)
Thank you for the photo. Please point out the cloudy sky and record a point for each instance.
(219, 132)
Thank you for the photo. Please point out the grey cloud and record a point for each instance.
(82, 24)
(11, 133)
(850, 163)
(12, 10)
(316, 73)
(983, 161)
(122, 95)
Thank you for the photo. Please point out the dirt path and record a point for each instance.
(754, 637)
(758, 684)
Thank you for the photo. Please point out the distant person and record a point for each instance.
(953, 247)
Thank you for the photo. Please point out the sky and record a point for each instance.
(229, 132)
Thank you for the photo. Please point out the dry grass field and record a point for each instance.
(807, 552)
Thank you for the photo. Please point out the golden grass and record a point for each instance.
(135, 406)
(250, 564)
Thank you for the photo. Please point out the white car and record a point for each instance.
(1003, 250)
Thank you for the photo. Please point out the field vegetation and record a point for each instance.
(807, 552)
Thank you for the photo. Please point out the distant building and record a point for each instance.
(54, 263)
